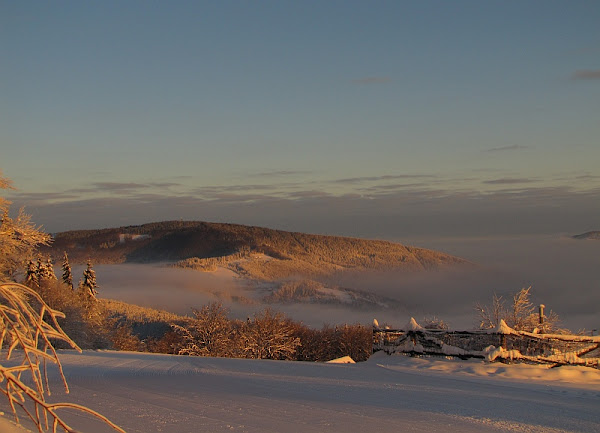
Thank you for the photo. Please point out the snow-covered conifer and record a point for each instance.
(67, 274)
(40, 269)
(31, 275)
(49, 268)
(45, 270)
(88, 284)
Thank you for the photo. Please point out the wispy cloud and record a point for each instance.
(228, 189)
(380, 178)
(119, 186)
(164, 184)
(308, 194)
(372, 80)
(31, 197)
(281, 173)
(508, 181)
(384, 213)
(586, 74)
(507, 148)
(395, 187)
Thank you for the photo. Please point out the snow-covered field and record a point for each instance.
(165, 393)
(147, 393)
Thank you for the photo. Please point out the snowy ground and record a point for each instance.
(165, 393)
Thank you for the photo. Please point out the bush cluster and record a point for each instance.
(266, 335)
(270, 335)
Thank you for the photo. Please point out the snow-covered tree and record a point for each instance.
(19, 237)
(40, 269)
(49, 270)
(31, 274)
(88, 284)
(45, 270)
(67, 274)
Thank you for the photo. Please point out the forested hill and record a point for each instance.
(595, 235)
(179, 240)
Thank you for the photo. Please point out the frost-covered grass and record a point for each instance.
(166, 393)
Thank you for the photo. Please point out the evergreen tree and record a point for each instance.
(40, 269)
(31, 275)
(67, 275)
(49, 269)
(45, 270)
(88, 284)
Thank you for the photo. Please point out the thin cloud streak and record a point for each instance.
(122, 187)
(397, 186)
(372, 80)
(380, 178)
(281, 173)
(119, 186)
(586, 74)
(508, 181)
(508, 148)
(308, 194)
(44, 197)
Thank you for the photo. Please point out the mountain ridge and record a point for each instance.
(593, 235)
(287, 253)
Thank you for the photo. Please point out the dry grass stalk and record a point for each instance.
(24, 330)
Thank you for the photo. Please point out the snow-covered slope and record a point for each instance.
(164, 393)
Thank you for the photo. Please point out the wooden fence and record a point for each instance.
(502, 344)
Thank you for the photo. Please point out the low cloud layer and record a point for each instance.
(386, 214)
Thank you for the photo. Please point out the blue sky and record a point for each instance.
(335, 117)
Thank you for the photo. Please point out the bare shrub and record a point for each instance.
(210, 333)
(520, 314)
(355, 341)
(122, 338)
(171, 342)
(269, 335)
(329, 343)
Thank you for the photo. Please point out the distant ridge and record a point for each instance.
(594, 235)
(282, 253)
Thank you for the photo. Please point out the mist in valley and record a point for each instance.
(564, 275)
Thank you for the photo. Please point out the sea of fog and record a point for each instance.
(564, 275)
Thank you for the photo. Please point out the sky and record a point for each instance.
(373, 119)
